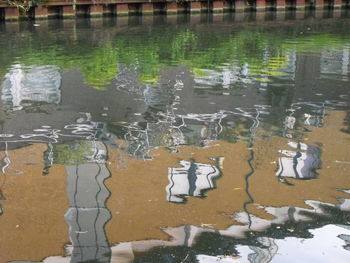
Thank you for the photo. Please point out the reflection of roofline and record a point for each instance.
(224, 241)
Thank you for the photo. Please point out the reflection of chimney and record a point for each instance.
(307, 75)
(87, 213)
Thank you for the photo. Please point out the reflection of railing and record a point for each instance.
(172, 130)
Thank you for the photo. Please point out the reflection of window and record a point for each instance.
(192, 179)
(300, 164)
(313, 120)
(36, 84)
(205, 78)
(335, 62)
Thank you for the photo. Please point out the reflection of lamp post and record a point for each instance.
(5, 163)
(252, 129)
(2, 197)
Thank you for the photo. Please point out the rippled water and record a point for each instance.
(175, 139)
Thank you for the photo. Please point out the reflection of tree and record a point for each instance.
(71, 153)
(264, 53)
(102, 67)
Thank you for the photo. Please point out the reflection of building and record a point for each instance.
(315, 119)
(87, 213)
(175, 130)
(22, 87)
(335, 62)
(138, 206)
(229, 76)
(85, 163)
(138, 195)
(262, 249)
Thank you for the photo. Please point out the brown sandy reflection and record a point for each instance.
(138, 202)
(32, 223)
(332, 175)
(142, 187)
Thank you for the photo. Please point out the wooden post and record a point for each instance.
(300, 4)
(171, 8)
(147, 9)
(96, 10)
(195, 7)
(11, 13)
(260, 5)
(280, 4)
(68, 11)
(122, 9)
(40, 12)
(240, 5)
(218, 6)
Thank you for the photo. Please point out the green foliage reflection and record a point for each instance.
(263, 52)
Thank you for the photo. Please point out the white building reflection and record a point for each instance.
(301, 163)
(340, 68)
(87, 213)
(192, 179)
(265, 249)
(23, 86)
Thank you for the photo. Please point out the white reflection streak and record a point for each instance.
(50, 155)
(6, 160)
(255, 124)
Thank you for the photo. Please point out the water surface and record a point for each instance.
(176, 139)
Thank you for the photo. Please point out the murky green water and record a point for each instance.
(176, 139)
